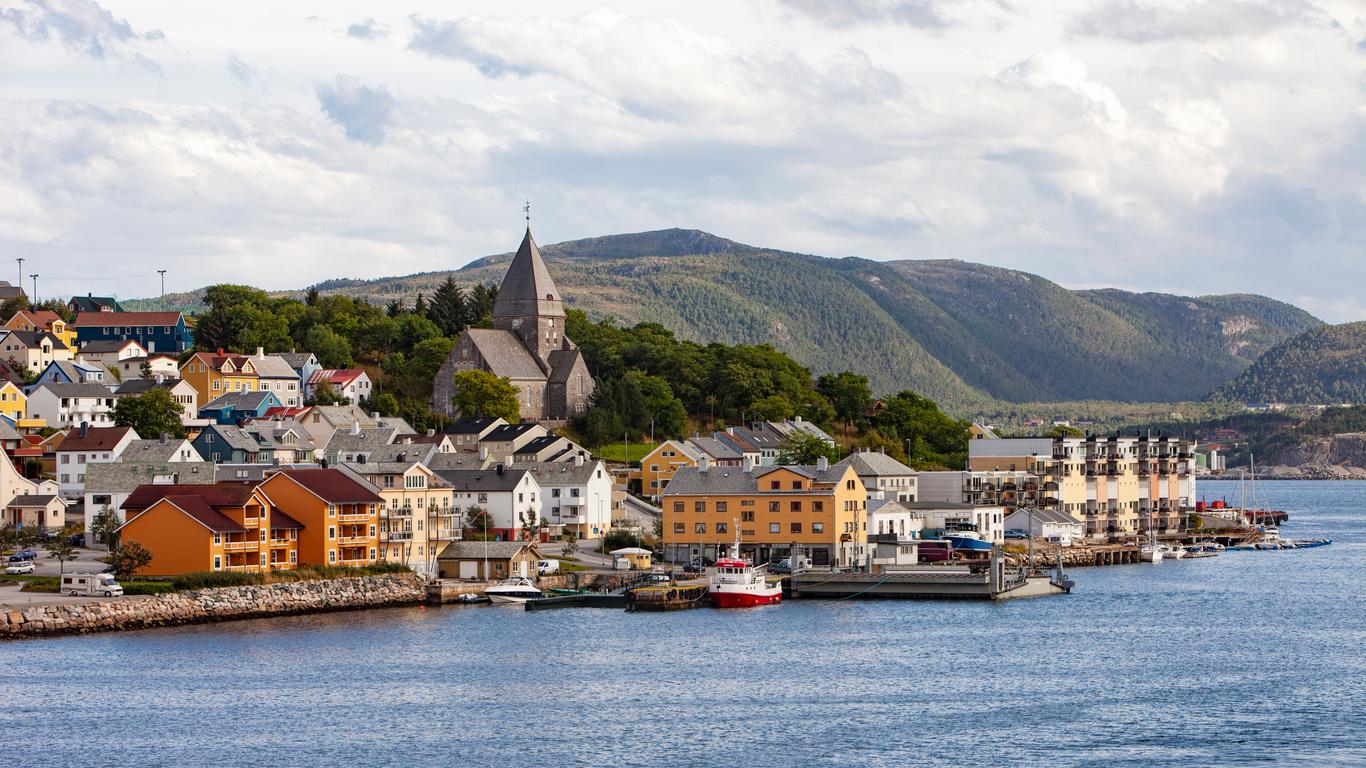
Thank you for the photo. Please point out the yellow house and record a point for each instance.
(818, 508)
(43, 320)
(13, 401)
(214, 374)
(658, 466)
(418, 517)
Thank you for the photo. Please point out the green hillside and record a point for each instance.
(1324, 365)
(964, 334)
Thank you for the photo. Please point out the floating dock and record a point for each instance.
(585, 600)
(938, 582)
(677, 597)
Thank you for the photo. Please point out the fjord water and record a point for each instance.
(1250, 657)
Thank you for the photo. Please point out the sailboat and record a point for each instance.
(1151, 552)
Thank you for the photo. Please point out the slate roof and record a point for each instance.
(458, 460)
(273, 367)
(239, 401)
(123, 477)
(875, 463)
(156, 452)
(725, 481)
(1048, 515)
(141, 386)
(485, 480)
(233, 437)
(100, 319)
(102, 346)
(712, 447)
(562, 363)
(8, 291)
(271, 436)
(509, 432)
(88, 303)
(471, 426)
(94, 439)
(29, 501)
(527, 288)
(369, 440)
(87, 389)
(33, 338)
(561, 472)
(332, 485)
(478, 550)
(536, 445)
(504, 353)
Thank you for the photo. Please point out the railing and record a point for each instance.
(444, 512)
(240, 546)
(449, 534)
(353, 540)
(281, 542)
(404, 511)
(398, 536)
(353, 517)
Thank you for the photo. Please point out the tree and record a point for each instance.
(932, 439)
(62, 550)
(311, 298)
(1064, 430)
(9, 538)
(571, 543)
(104, 527)
(129, 559)
(145, 370)
(480, 393)
(619, 538)
(332, 349)
(850, 395)
(478, 524)
(771, 408)
(805, 448)
(240, 317)
(383, 403)
(324, 394)
(447, 308)
(28, 537)
(150, 414)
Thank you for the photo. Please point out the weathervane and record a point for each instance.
(527, 210)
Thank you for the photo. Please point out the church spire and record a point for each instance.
(527, 290)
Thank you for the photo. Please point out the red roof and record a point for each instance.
(40, 318)
(332, 485)
(103, 319)
(196, 507)
(216, 495)
(94, 439)
(279, 519)
(340, 377)
(283, 412)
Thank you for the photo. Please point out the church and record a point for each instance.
(526, 344)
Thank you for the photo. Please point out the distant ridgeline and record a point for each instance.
(1324, 365)
(963, 334)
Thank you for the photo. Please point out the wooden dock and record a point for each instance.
(673, 597)
(937, 582)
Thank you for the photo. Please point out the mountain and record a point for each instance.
(1323, 365)
(964, 334)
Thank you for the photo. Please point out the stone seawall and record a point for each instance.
(208, 605)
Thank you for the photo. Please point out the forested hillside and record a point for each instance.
(1323, 365)
(964, 334)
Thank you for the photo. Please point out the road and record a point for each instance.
(12, 596)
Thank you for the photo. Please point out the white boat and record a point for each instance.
(1172, 553)
(517, 589)
(735, 583)
(1150, 553)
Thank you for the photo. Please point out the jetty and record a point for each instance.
(986, 581)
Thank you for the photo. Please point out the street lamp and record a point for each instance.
(34, 300)
(162, 272)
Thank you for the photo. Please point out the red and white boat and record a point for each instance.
(737, 584)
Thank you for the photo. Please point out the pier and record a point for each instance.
(993, 581)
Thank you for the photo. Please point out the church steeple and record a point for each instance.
(528, 304)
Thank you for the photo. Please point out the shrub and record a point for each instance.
(147, 587)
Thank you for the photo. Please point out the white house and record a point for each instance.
(183, 392)
(32, 350)
(85, 445)
(69, 405)
(110, 352)
(1052, 524)
(275, 374)
(13, 484)
(882, 475)
(576, 494)
(352, 384)
(511, 497)
(889, 517)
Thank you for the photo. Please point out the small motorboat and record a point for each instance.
(1311, 543)
(517, 589)
(471, 598)
(969, 541)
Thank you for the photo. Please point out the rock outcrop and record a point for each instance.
(208, 605)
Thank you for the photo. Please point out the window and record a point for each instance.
(796, 485)
(720, 527)
(796, 506)
(775, 484)
(699, 506)
(699, 528)
(817, 506)
(217, 537)
(818, 527)
(720, 506)
(331, 510)
(796, 527)
(331, 532)
(747, 516)
(678, 528)
(678, 506)
(293, 556)
(775, 527)
(372, 528)
(331, 555)
(218, 562)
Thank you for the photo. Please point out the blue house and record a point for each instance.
(71, 372)
(223, 444)
(164, 332)
(237, 407)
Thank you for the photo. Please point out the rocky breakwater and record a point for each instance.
(208, 605)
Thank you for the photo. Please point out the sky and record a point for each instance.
(1193, 148)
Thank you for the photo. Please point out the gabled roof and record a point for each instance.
(241, 401)
(509, 432)
(713, 448)
(195, 507)
(368, 439)
(562, 362)
(472, 426)
(538, 444)
(527, 288)
(295, 359)
(102, 346)
(141, 386)
(273, 367)
(87, 389)
(39, 318)
(29, 501)
(561, 472)
(89, 303)
(95, 438)
(234, 437)
(332, 485)
(691, 481)
(33, 339)
(340, 377)
(476, 550)
(215, 495)
(87, 319)
(504, 353)
(156, 452)
(216, 361)
(281, 521)
(485, 480)
(124, 476)
(875, 464)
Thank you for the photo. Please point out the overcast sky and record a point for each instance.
(1206, 147)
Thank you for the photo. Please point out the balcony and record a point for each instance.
(354, 541)
(444, 512)
(443, 534)
(395, 536)
(572, 501)
(281, 542)
(251, 522)
(250, 567)
(355, 561)
(240, 546)
(405, 511)
(354, 517)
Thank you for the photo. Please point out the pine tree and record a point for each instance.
(448, 308)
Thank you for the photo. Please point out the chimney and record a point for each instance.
(85, 428)
(260, 352)
(374, 415)
(498, 469)
(220, 350)
(822, 464)
(355, 427)
(163, 438)
(431, 433)
(747, 465)
(578, 459)
(703, 464)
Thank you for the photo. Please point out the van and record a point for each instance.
(544, 567)
(78, 584)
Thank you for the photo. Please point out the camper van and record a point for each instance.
(75, 584)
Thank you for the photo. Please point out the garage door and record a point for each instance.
(469, 569)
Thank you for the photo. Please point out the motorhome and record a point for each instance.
(77, 584)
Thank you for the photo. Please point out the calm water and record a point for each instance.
(1253, 657)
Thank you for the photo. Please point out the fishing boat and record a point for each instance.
(967, 541)
(736, 583)
(517, 589)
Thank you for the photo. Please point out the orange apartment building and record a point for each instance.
(340, 514)
(222, 527)
(821, 509)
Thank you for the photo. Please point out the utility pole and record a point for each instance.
(34, 298)
(162, 272)
(21, 272)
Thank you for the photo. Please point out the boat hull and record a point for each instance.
(511, 598)
(746, 599)
(969, 545)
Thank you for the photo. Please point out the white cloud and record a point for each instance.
(83, 26)
(1144, 21)
(362, 111)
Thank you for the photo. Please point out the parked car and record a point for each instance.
(78, 540)
(17, 568)
(544, 567)
(1016, 533)
(22, 555)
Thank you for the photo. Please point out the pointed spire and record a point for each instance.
(527, 288)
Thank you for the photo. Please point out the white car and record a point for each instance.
(16, 568)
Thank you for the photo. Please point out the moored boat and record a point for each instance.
(969, 541)
(737, 584)
(517, 589)
(1150, 553)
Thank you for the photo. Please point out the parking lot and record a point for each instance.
(12, 597)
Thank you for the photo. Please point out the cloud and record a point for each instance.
(243, 72)
(367, 29)
(1138, 21)
(363, 112)
(82, 26)
(923, 14)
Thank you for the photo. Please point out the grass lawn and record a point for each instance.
(623, 452)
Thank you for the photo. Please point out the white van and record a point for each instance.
(76, 584)
(544, 567)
